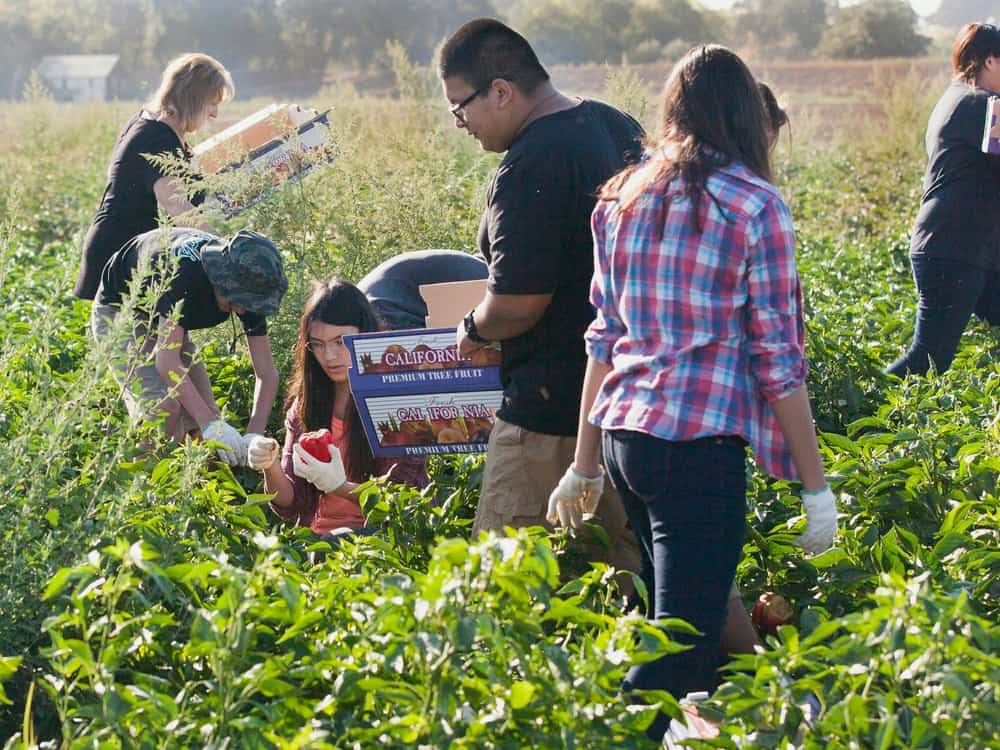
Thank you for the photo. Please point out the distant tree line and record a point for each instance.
(301, 43)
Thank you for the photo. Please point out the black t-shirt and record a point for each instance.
(535, 235)
(394, 286)
(128, 207)
(174, 253)
(959, 215)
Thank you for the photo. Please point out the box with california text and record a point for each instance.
(416, 396)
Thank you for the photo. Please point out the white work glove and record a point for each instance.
(821, 520)
(574, 496)
(326, 476)
(261, 452)
(220, 431)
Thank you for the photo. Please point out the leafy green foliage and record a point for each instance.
(916, 670)
(148, 597)
(479, 650)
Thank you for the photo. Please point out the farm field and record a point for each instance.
(148, 597)
(823, 97)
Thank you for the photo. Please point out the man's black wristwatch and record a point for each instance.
(469, 323)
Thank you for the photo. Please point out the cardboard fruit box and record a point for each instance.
(268, 147)
(449, 301)
(232, 145)
(417, 396)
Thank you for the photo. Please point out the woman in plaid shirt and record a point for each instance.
(696, 351)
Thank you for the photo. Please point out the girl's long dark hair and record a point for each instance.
(310, 391)
(713, 114)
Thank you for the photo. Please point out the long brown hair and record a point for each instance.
(310, 392)
(713, 115)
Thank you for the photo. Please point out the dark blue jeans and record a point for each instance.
(686, 502)
(950, 292)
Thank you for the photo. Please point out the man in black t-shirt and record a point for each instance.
(174, 280)
(535, 235)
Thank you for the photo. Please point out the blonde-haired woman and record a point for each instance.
(191, 89)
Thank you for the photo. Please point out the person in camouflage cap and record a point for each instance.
(247, 271)
(188, 279)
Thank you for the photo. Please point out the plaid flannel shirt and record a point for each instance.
(704, 330)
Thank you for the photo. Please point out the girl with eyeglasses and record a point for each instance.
(324, 495)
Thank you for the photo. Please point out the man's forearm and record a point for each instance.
(266, 386)
(588, 440)
(501, 317)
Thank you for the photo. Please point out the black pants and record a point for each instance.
(686, 502)
(950, 292)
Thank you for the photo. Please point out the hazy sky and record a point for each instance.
(923, 7)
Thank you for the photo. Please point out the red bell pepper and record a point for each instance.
(317, 444)
(770, 612)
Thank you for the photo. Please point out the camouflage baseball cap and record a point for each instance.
(247, 271)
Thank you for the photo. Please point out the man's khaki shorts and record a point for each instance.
(522, 469)
(131, 365)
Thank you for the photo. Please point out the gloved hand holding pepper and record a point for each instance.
(326, 476)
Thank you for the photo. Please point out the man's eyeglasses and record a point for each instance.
(458, 111)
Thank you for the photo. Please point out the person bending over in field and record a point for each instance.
(696, 351)
(393, 287)
(323, 495)
(192, 87)
(199, 280)
(955, 244)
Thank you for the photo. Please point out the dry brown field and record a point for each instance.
(822, 96)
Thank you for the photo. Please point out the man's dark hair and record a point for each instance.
(485, 49)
